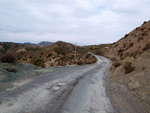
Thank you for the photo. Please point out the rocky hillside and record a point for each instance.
(131, 65)
(59, 53)
(14, 47)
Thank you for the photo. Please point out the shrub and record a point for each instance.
(8, 58)
(11, 69)
(25, 59)
(79, 62)
(147, 46)
(144, 22)
(38, 62)
(18, 57)
(120, 51)
(116, 64)
(126, 35)
(113, 59)
(135, 53)
(128, 67)
(49, 55)
(139, 39)
(59, 50)
(131, 44)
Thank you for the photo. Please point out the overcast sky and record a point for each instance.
(81, 22)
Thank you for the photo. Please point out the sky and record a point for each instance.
(82, 22)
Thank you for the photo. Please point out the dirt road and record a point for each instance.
(75, 89)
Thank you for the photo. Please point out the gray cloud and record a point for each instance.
(76, 21)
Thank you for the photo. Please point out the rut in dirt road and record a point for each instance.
(77, 89)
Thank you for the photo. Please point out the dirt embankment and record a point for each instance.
(130, 71)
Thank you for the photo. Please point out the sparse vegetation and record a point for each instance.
(59, 50)
(120, 51)
(139, 39)
(147, 46)
(126, 35)
(79, 62)
(131, 44)
(9, 69)
(144, 22)
(128, 67)
(49, 55)
(8, 58)
(18, 57)
(116, 64)
(25, 59)
(38, 62)
(135, 53)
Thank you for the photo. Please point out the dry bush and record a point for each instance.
(113, 59)
(38, 62)
(144, 22)
(147, 46)
(59, 50)
(49, 55)
(139, 39)
(131, 45)
(120, 51)
(9, 69)
(126, 35)
(116, 64)
(135, 53)
(80, 62)
(8, 58)
(128, 67)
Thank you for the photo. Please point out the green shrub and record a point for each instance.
(128, 67)
(25, 59)
(38, 62)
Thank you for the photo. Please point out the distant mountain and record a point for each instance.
(28, 43)
(45, 43)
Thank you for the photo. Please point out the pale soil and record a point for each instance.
(123, 99)
(18, 84)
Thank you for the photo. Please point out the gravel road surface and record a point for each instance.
(69, 89)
